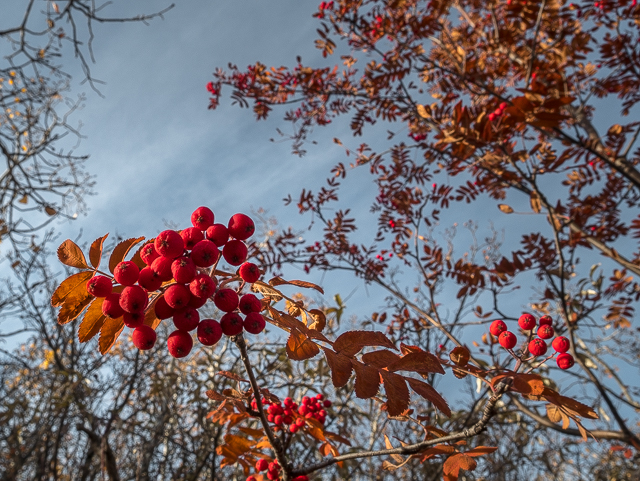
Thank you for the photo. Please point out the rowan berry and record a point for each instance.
(537, 347)
(508, 340)
(565, 360)
(191, 236)
(162, 267)
(149, 279)
(293, 428)
(497, 327)
(249, 272)
(179, 343)
(204, 253)
(202, 218)
(144, 337)
(241, 226)
(169, 244)
(300, 422)
(218, 234)
(319, 396)
(235, 252)
(254, 323)
(561, 344)
(126, 273)
(162, 309)
(209, 332)
(133, 299)
(202, 286)
(262, 465)
(133, 320)
(274, 466)
(545, 332)
(273, 475)
(186, 319)
(277, 420)
(177, 296)
(249, 303)
(302, 477)
(148, 253)
(183, 270)
(231, 324)
(197, 302)
(327, 403)
(545, 321)
(527, 322)
(226, 300)
(111, 306)
(99, 286)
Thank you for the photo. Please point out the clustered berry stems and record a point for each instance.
(277, 445)
(409, 449)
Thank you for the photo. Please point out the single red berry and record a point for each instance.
(327, 403)
(254, 323)
(545, 321)
(537, 347)
(133, 320)
(235, 252)
(274, 466)
(319, 396)
(293, 428)
(205, 253)
(497, 327)
(305, 400)
(561, 344)
(202, 218)
(508, 340)
(300, 422)
(273, 475)
(218, 234)
(133, 299)
(197, 302)
(179, 343)
(249, 272)
(226, 300)
(249, 303)
(527, 322)
(149, 279)
(492, 116)
(241, 226)
(177, 296)
(126, 273)
(565, 360)
(287, 419)
(262, 465)
(144, 337)
(162, 309)
(231, 324)
(111, 306)
(186, 319)
(148, 253)
(183, 270)
(162, 267)
(99, 286)
(202, 286)
(545, 332)
(302, 477)
(209, 332)
(303, 410)
(277, 420)
(169, 244)
(251, 478)
(191, 236)
(503, 105)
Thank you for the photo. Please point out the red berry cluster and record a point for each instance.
(273, 470)
(293, 415)
(289, 413)
(177, 265)
(498, 112)
(537, 346)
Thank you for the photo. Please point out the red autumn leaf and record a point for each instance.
(420, 362)
(71, 255)
(109, 333)
(70, 284)
(95, 251)
(430, 394)
(352, 342)
(397, 393)
(340, 366)
(279, 281)
(367, 380)
(299, 347)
